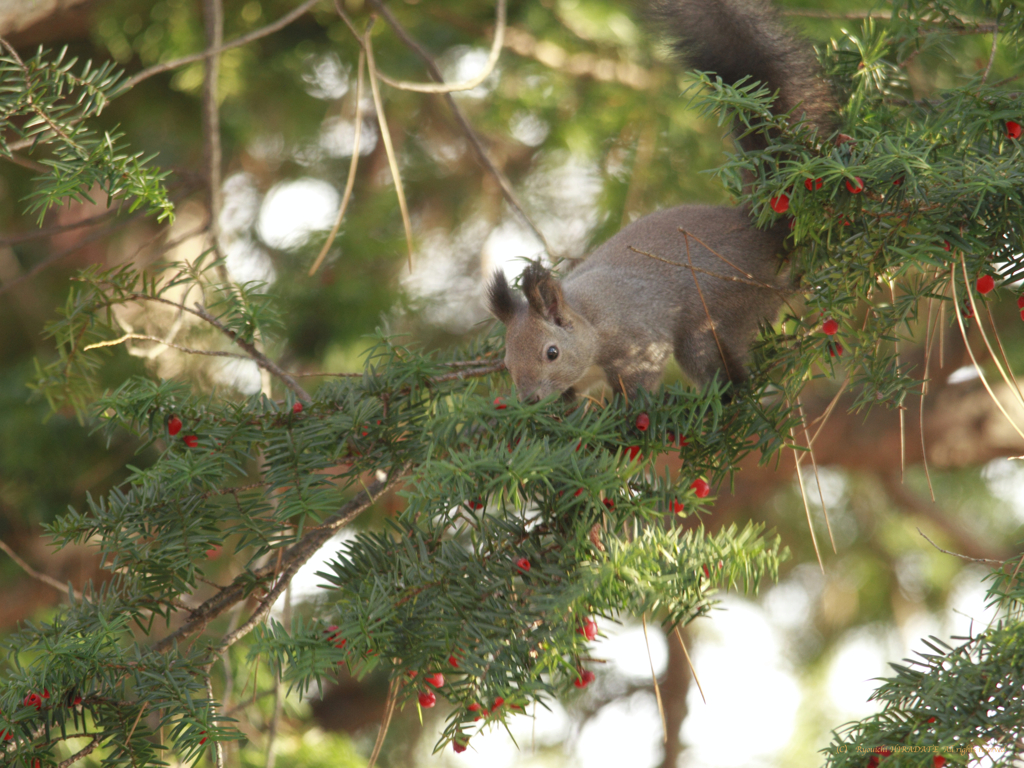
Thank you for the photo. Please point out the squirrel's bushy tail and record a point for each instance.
(737, 38)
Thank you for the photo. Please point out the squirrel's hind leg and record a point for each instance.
(702, 357)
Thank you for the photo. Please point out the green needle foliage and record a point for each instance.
(45, 105)
(523, 525)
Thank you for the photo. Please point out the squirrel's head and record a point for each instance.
(548, 346)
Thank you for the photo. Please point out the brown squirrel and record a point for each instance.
(695, 280)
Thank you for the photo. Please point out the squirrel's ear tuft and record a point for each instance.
(500, 299)
(544, 294)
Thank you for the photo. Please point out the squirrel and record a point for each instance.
(695, 280)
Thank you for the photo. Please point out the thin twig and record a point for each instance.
(351, 181)
(466, 85)
(693, 671)
(992, 55)
(807, 507)
(282, 22)
(385, 134)
(86, 750)
(86, 240)
(654, 679)
(957, 554)
(432, 69)
(970, 351)
(389, 710)
(817, 477)
(144, 337)
(707, 312)
(258, 357)
(213, 25)
(30, 571)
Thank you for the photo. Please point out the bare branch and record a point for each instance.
(39, 234)
(86, 240)
(165, 342)
(258, 357)
(213, 22)
(467, 129)
(281, 23)
(351, 181)
(29, 570)
(81, 753)
(466, 85)
(385, 134)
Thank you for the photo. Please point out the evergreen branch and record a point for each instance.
(299, 552)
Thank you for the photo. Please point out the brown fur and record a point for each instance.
(694, 281)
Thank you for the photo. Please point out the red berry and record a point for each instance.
(855, 185)
(945, 245)
(6, 736)
(173, 426)
(297, 408)
(707, 572)
(578, 492)
(475, 505)
(931, 719)
(453, 661)
(608, 503)
(589, 628)
(497, 703)
(873, 762)
(33, 700)
(676, 507)
(202, 740)
(191, 441)
(897, 182)
(938, 761)
(968, 310)
(499, 403)
(436, 679)
(473, 707)
(1020, 302)
(700, 488)
(633, 451)
(427, 699)
(985, 284)
(829, 327)
(411, 673)
(214, 552)
(835, 349)
(586, 677)
(813, 184)
(523, 565)
(643, 421)
(459, 746)
(1012, 129)
(779, 203)
(77, 701)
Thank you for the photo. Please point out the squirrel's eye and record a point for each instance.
(552, 352)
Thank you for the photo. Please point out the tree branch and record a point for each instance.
(29, 570)
(281, 23)
(258, 357)
(300, 552)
